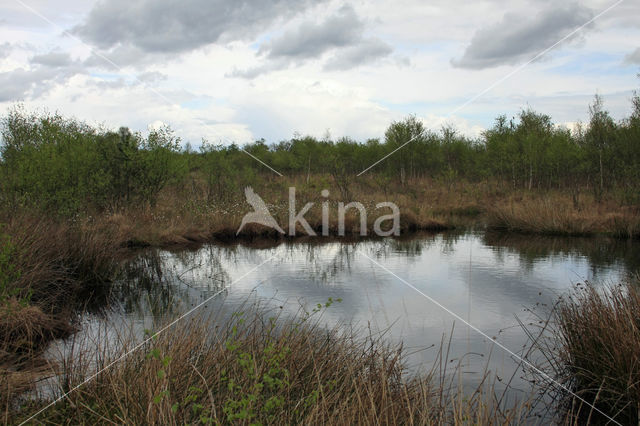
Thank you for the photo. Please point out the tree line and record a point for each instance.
(63, 165)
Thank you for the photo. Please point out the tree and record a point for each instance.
(598, 138)
(400, 135)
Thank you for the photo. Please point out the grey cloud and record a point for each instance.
(20, 84)
(167, 26)
(267, 67)
(341, 33)
(367, 51)
(46, 71)
(121, 56)
(14, 85)
(402, 61)
(518, 37)
(54, 68)
(633, 57)
(311, 39)
(53, 59)
(151, 77)
(145, 79)
(115, 84)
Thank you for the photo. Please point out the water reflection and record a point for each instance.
(488, 279)
(602, 253)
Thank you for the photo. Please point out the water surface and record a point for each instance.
(407, 288)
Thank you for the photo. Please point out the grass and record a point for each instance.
(593, 348)
(180, 219)
(259, 367)
(555, 214)
(55, 270)
(187, 216)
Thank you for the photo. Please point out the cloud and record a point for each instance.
(151, 77)
(312, 39)
(110, 84)
(519, 37)
(253, 72)
(166, 26)
(5, 49)
(53, 59)
(633, 57)
(364, 52)
(44, 72)
(119, 55)
(341, 32)
(21, 84)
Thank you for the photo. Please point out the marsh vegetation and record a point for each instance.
(75, 200)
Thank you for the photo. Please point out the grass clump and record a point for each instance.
(554, 214)
(48, 272)
(595, 352)
(262, 368)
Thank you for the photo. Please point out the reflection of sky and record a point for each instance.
(486, 284)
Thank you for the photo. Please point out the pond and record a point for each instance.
(421, 291)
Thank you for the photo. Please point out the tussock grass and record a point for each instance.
(555, 214)
(56, 259)
(261, 368)
(55, 269)
(184, 217)
(594, 350)
(178, 220)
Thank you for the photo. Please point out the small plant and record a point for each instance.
(330, 301)
(161, 373)
(259, 381)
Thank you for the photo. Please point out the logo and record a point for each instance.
(262, 216)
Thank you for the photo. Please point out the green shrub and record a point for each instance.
(66, 167)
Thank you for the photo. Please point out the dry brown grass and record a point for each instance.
(425, 204)
(555, 214)
(60, 267)
(24, 330)
(593, 348)
(184, 217)
(262, 369)
(55, 256)
(22, 327)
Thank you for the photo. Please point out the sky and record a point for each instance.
(240, 70)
